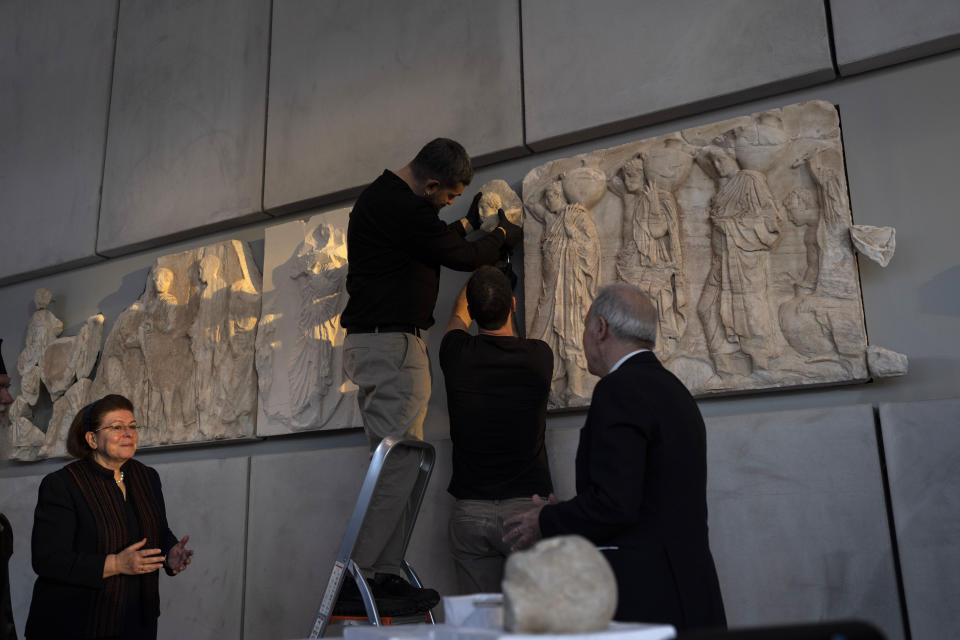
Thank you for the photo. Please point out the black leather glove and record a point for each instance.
(473, 213)
(511, 232)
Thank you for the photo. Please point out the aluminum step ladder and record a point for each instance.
(344, 561)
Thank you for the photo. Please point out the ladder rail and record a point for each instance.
(344, 561)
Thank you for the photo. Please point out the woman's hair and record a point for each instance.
(88, 419)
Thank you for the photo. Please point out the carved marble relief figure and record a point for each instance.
(208, 342)
(171, 370)
(651, 257)
(739, 231)
(734, 306)
(43, 328)
(60, 366)
(320, 270)
(299, 344)
(570, 263)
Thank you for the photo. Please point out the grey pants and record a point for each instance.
(476, 539)
(392, 371)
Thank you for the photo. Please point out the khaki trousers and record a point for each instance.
(392, 371)
(476, 540)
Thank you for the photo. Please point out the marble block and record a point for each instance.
(299, 348)
(455, 72)
(592, 69)
(798, 522)
(184, 151)
(559, 585)
(876, 243)
(183, 353)
(884, 363)
(921, 443)
(299, 507)
(18, 499)
(207, 500)
(56, 63)
(737, 230)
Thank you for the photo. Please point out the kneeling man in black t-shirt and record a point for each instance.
(497, 387)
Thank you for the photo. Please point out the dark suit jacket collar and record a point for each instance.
(644, 358)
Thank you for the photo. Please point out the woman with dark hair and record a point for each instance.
(100, 534)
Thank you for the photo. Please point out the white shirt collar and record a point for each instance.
(624, 359)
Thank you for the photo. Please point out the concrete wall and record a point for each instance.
(190, 117)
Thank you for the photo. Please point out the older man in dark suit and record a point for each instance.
(641, 474)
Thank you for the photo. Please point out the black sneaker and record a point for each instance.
(350, 603)
(387, 585)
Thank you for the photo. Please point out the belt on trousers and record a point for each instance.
(388, 328)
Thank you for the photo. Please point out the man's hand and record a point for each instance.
(526, 526)
(473, 214)
(512, 234)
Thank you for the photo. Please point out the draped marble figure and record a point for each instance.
(570, 265)
(170, 365)
(209, 345)
(734, 306)
(651, 257)
(299, 341)
(319, 268)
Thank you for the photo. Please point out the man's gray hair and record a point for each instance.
(629, 313)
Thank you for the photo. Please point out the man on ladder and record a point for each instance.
(396, 244)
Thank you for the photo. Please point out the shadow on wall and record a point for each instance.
(938, 295)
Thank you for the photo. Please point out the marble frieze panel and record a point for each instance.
(300, 341)
(183, 353)
(740, 233)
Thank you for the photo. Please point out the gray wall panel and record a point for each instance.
(922, 445)
(356, 87)
(798, 523)
(185, 145)
(869, 34)
(55, 61)
(609, 66)
(206, 500)
(299, 507)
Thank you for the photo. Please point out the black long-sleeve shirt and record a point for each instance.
(396, 244)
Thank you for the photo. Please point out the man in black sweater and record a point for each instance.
(497, 387)
(396, 244)
(641, 474)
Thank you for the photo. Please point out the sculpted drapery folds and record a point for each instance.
(166, 349)
(570, 250)
(734, 306)
(319, 268)
(650, 256)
